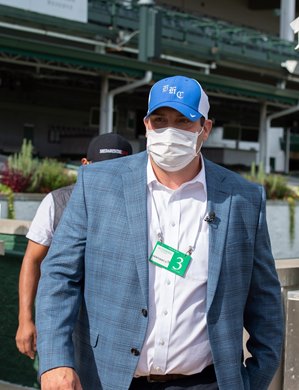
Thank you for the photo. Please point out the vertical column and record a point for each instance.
(143, 32)
(291, 372)
(262, 134)
(150, 26)
(104, 106)
(287, 15)
(287, 151)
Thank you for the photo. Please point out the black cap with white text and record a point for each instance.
(108, 146)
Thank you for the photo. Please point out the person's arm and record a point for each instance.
(40, 236)
(64, 378)
(263, 315)
(28, 282)
(59, 295)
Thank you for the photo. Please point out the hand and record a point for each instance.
(26, 338)
(61, 378)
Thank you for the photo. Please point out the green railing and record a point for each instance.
(294, 143)
(193, 34)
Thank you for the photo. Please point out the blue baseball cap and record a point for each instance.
(180, 93)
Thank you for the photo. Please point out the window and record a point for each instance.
(249, 134)
(231, 132)
(240, 133)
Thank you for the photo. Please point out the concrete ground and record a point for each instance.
(10, 386)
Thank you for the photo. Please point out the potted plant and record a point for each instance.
(282, 211)
(27, 179)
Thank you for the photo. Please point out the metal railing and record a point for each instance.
(183, 32)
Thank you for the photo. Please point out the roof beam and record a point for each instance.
(60, 55)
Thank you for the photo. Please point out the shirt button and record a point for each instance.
(165, 312)
(135, 352)
(167, 281)
(158, 369)
(144, 312)
(173, 224)
(161, 342)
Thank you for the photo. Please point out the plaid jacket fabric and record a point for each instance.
(94, 281)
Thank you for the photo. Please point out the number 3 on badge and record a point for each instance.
(179, 262)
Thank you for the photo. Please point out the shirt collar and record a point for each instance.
(200, 178)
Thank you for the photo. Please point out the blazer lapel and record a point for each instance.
(219, 201)
(135, 192)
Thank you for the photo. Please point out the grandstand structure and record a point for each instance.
(64, 80)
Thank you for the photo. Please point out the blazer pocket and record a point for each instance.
(90, 338)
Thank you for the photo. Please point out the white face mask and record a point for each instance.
(172, 149)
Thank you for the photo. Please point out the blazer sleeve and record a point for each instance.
(59, 290)
(263, 316)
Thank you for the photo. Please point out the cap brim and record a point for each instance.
(188, 112)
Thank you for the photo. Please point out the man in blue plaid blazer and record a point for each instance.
(101, 288)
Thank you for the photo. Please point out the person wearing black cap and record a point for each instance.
(165, 261)
(107, 147)
(103, 147)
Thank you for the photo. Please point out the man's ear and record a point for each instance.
(145, 121)
(207, 127)
(84, 161)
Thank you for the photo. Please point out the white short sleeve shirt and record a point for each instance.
(41, 228)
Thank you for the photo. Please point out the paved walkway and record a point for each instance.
(10, 386)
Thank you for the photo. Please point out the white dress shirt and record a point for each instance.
(177, 339)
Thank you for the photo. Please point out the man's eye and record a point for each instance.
(158, 120)
(184, 122)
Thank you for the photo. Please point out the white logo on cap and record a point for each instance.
(172, 91)
(192, 115)
(114, 151)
